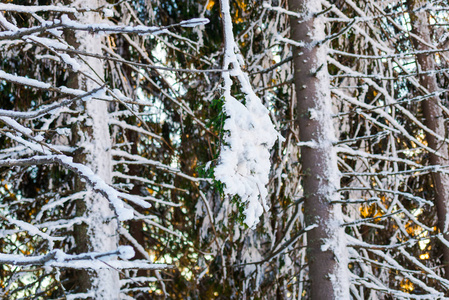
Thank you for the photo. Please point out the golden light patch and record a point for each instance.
(424, 256)
(367, 211)
(210, 4)
(407, 286)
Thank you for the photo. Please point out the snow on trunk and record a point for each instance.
(101, 231)
(245, 158)
(326, 246)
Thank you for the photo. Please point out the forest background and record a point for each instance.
(224, 150)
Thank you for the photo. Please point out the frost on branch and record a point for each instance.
(245, 158)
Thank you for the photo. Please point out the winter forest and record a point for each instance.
(224, 149)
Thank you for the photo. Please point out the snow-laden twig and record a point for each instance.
(145, 180)
(385, 56)
(125, 125)
(407, 273)
(355, 243)
(48, 108)
(142, 65)
(135, 159)
(403, 194)
(60, 257)
(349, 151)
(393, 121)
(97, 184)
(369, 220)
(31, 229)
(93, 260)
(52, 204)
(67, 23)
(36, 8)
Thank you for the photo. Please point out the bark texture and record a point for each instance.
(434, 120)
(326, 249)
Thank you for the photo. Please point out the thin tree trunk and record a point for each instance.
(136, 226)
(326, 249)
(434, 120)
(99, 233)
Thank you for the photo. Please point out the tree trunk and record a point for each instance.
(434, 120)
(326, 249)
(99, 233)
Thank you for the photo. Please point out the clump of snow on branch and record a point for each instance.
(194, 22)
(244, 163)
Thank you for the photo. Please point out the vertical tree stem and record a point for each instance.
(326, 249)
(434, 120)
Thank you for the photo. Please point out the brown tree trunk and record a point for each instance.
(326, 250)
(434, 120)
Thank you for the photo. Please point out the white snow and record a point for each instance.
(16, 126)
(70, 61)
(24, 80)
(244, 163)
(102, 227)
(126, 252)
(35, 8)
(108, 28)
(324, 140)
(108, 13)
(194, 22)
